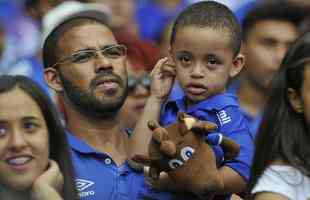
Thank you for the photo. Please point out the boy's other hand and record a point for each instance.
(162, 78)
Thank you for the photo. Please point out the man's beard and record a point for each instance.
(86, 101)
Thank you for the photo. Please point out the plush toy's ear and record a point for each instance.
(190, 122)
(160, 134)
(152, 125)
(142, 159)
(203, 127)
(182, 115)
(185, 123)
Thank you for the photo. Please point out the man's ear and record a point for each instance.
(51, 76)
(237, 65)
(295, 100)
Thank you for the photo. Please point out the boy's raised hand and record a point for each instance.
(162, 78)
(49, 185)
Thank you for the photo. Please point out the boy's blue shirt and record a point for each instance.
(253, 121)
(98, 177)
(222, 109)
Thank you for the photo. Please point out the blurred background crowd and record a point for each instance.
(142, 25)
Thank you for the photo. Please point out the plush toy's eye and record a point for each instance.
(187, 152)
(175, 163)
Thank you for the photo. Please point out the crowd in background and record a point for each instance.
(269, 29)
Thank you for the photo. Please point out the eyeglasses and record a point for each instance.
(112, 52)
(134, 82)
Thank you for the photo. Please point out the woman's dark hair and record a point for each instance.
(284, 133)
(59, 149)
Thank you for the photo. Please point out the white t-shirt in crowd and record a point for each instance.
(284, 180)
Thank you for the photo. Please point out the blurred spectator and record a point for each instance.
(2, 40)
(6, 49)
(304, 25)
(281, 168)
(268, 33)
(300, 2)
(154, 15)
(123, 14)
(233, 5)
(30, 65)
(241, 11)
(36, 9)
(164, 40)
(142, 57)
(21, 35)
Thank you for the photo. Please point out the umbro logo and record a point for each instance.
(223, 117)
(82, 184)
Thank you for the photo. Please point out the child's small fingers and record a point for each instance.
(158, 65)
(168, 70)
(170, 62)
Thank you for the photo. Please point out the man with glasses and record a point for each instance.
(86, 67)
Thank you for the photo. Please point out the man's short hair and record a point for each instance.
(210, 14)
(51, 39)
(272, 11)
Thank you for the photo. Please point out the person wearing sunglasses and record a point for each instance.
(138, 92)
(141, 58)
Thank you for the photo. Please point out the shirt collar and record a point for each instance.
(216, 102)
(176, 93)
(79, 145)
(82, 147)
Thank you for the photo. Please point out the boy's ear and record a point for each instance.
(237, 65)
(51, 76)
(295, 100)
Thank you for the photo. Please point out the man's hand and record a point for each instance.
(162, 77)
(49, 185)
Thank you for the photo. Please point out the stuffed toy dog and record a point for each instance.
(182, 151)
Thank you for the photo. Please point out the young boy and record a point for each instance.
(204, 47)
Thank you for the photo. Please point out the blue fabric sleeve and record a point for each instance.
(242, 163)
(237, 130)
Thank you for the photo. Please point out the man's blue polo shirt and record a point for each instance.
(99, 178)
(222, 109)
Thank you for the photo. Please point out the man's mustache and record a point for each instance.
(106, 75)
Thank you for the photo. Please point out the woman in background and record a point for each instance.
(34, 157)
